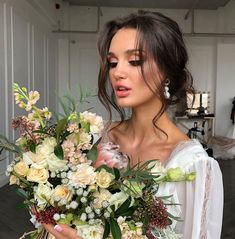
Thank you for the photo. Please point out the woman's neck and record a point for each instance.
(140, 126)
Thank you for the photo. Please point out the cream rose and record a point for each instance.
(62, 192)
(14, 180)
(100, 197)
(84, 176)
(104, 179)
(21, 168)
(38, 175)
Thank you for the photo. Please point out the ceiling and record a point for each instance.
(168, 4)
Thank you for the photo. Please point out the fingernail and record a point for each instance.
(58, 228)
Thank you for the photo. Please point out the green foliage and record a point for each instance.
(58, 151)
(115, 229)
(106, 229)
(5, 144)
(32, 147)
(92, 154)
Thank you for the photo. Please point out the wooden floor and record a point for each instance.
(14, 222)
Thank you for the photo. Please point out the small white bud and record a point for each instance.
(56, 217)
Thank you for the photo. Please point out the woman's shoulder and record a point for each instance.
(189, 153)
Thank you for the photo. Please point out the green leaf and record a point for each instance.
(32, 147)
(58, 151)
(64, 106)
(40, 132)
(106, 229)
(92, 154)
(71, 101)
(21, 192)
(174, 217)
(115, 229)
(59, 127)
(86, 126)
(126, 213)
(123, 207)
(116, 173)
(109, 170)
(5, 144)
(21, 206)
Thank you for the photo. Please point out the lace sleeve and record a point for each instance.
(203, 231)
(201, 200)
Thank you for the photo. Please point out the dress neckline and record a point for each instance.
(177, 149)
(182, 145)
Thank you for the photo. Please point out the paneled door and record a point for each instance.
(26, 59)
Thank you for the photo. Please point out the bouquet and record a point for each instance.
(66, 177)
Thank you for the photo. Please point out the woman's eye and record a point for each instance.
(136, 62)
(112, 64)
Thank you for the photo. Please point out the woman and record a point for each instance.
(143, 59)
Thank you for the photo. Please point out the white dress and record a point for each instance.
(201, 200)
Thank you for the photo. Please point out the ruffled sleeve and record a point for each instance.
(202, 199)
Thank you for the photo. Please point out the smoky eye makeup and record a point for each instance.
(112, 64)
(111, 61)
(136, 62)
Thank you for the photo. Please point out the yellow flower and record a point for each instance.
(21, 168)
(104, 179)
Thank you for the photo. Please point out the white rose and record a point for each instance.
(38, 175)
(21, 168)
(30, 158)
(96, 122)
(42, 194)
(47, 147)
(62, 192)
(104, 179)
(90, 231)
(117, 199)
(85, 175)
(55, 163)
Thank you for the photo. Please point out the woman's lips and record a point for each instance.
(122, 91)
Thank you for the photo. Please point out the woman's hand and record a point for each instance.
(61, 231)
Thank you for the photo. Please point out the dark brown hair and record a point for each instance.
(160, 37)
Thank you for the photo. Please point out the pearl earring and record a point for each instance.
(166, 92)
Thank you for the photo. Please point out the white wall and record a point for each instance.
(208, 60)
(27, 56)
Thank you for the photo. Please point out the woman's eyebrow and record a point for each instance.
(127, 52)
(133, 51)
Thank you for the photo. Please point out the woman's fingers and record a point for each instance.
(61, 231)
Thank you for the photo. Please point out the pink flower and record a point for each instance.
(109, 154)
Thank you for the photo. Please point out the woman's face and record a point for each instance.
(125, 71)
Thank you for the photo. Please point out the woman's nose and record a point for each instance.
(120, 71)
